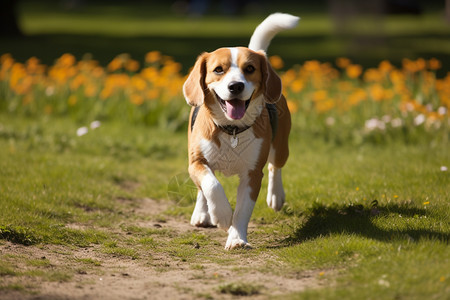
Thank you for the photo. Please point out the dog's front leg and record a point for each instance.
(219, 208)
(247, 194)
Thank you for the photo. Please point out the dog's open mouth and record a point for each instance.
(234, 108)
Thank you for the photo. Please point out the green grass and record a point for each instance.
(373, 217)
(240, 289)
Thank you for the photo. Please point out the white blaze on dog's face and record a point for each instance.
(233, 83)
(233, 76)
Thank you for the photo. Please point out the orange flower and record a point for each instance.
(32, 65)
(138, 83)
(66, 60)
(297, 86)
(152, 57)
(311, 66)
(115, 64)
(276, 62)
(90, 90)
(293, 107)
(373, 75)
(385, 66)
(434, 64)
(319, 95)
(353, 71)
(343, 62)
(324, 106)
(132, 65)
(152, 94)
(136, 99)
(377, 92)
(357, 96)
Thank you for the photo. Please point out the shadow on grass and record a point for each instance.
(358, 219)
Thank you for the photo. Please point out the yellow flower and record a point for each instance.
(276, 62)
(426, 203)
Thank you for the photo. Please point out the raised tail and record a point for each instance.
(266, 31)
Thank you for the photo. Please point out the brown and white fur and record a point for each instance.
(231, 86)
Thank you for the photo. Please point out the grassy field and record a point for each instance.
(95, 198)
(367, 220)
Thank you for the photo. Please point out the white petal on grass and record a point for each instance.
(82, 131)
(397, 122)
(95, 124)
(442, 110)
(444, 169)
(419, 119)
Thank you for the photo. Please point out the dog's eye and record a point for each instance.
(249, 69)
(218, 70)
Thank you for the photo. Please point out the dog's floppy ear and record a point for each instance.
(271, 82)
(194, 88)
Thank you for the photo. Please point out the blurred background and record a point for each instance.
(367, 32)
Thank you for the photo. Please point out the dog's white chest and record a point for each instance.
(234, 155)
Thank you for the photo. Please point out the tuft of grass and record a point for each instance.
(18, 235)
(89, 261)
(112, 247)
(240, 289)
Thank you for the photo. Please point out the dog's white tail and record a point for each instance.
(266, 31)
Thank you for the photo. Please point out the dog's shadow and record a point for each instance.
(322, 220)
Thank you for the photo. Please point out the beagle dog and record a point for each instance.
(239, 121)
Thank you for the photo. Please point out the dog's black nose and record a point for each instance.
(236, 87)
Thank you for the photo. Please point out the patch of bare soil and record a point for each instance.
(88, 273)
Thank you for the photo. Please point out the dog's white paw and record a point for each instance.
(235, 240)
(201, 219)
(237, 244)
(275, 200)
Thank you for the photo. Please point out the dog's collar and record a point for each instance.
(233, 130)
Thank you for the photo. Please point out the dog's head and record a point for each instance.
(233, 83)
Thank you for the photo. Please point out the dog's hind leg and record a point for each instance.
(279, 152)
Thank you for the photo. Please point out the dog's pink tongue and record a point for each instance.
(235, 109)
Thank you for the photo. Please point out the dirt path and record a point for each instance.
(88, 273)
